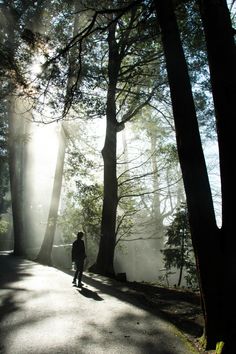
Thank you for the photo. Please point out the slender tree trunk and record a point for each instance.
(222, 63)
(19, 116)
(17, 120)
(156, 203)
(15, 185)
(181, 260)
(205, 234)
(44, 255)
(45, 252)
(105, 257)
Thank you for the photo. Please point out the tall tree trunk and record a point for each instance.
(17, 119)
(222, 63)
(45, 252)
(104, 263)
(181, 260)
(205, 234)
(15, 173)
(156, 203)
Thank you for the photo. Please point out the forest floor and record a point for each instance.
(181, 307)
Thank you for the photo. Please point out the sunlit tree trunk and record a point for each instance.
(45, 252)
(222, 63)
(205, 234)
(17, 120)
(15, 173)
(15, 142)
(104, 263)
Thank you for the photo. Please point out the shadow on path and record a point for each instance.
(179, 308)
(12, 270)
(90, 294)
(37, 302)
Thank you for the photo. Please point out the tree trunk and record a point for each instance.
(157, 216)
(19, 116)
(15, 187)
(181, 260)
(18, 120)
(45, 252)
(205, 234)
(104, 263)
(222, 58)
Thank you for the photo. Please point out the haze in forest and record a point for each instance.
(118, 120)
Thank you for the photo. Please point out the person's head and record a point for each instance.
(80, 235)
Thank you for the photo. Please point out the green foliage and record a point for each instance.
(3, 226)
(178, 252)
(194, 45)
(83, 212)
(91, 208)
(219, 347)
(83, 200)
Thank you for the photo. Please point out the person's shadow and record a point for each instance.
(90, 294)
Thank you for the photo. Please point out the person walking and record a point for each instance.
(78, 256)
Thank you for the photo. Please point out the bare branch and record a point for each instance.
(147, 193)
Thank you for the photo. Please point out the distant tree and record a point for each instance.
(4, 170)
(82, 194)
(178, 250)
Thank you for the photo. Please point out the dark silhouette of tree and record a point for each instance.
(221, 53)
(105, 257)
(124, 88)
(207, 238)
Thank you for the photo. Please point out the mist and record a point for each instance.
(41, 156)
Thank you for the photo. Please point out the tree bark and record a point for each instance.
(104, 263)
(15, 169)
(18, 120)
(205, 234)
(45, 252)
(222, 58)
(181, 259)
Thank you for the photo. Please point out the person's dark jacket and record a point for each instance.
(78, 250)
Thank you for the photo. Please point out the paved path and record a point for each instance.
(41, 312)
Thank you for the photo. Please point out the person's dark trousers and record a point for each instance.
(79, 270)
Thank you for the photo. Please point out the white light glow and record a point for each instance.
(36, 68)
